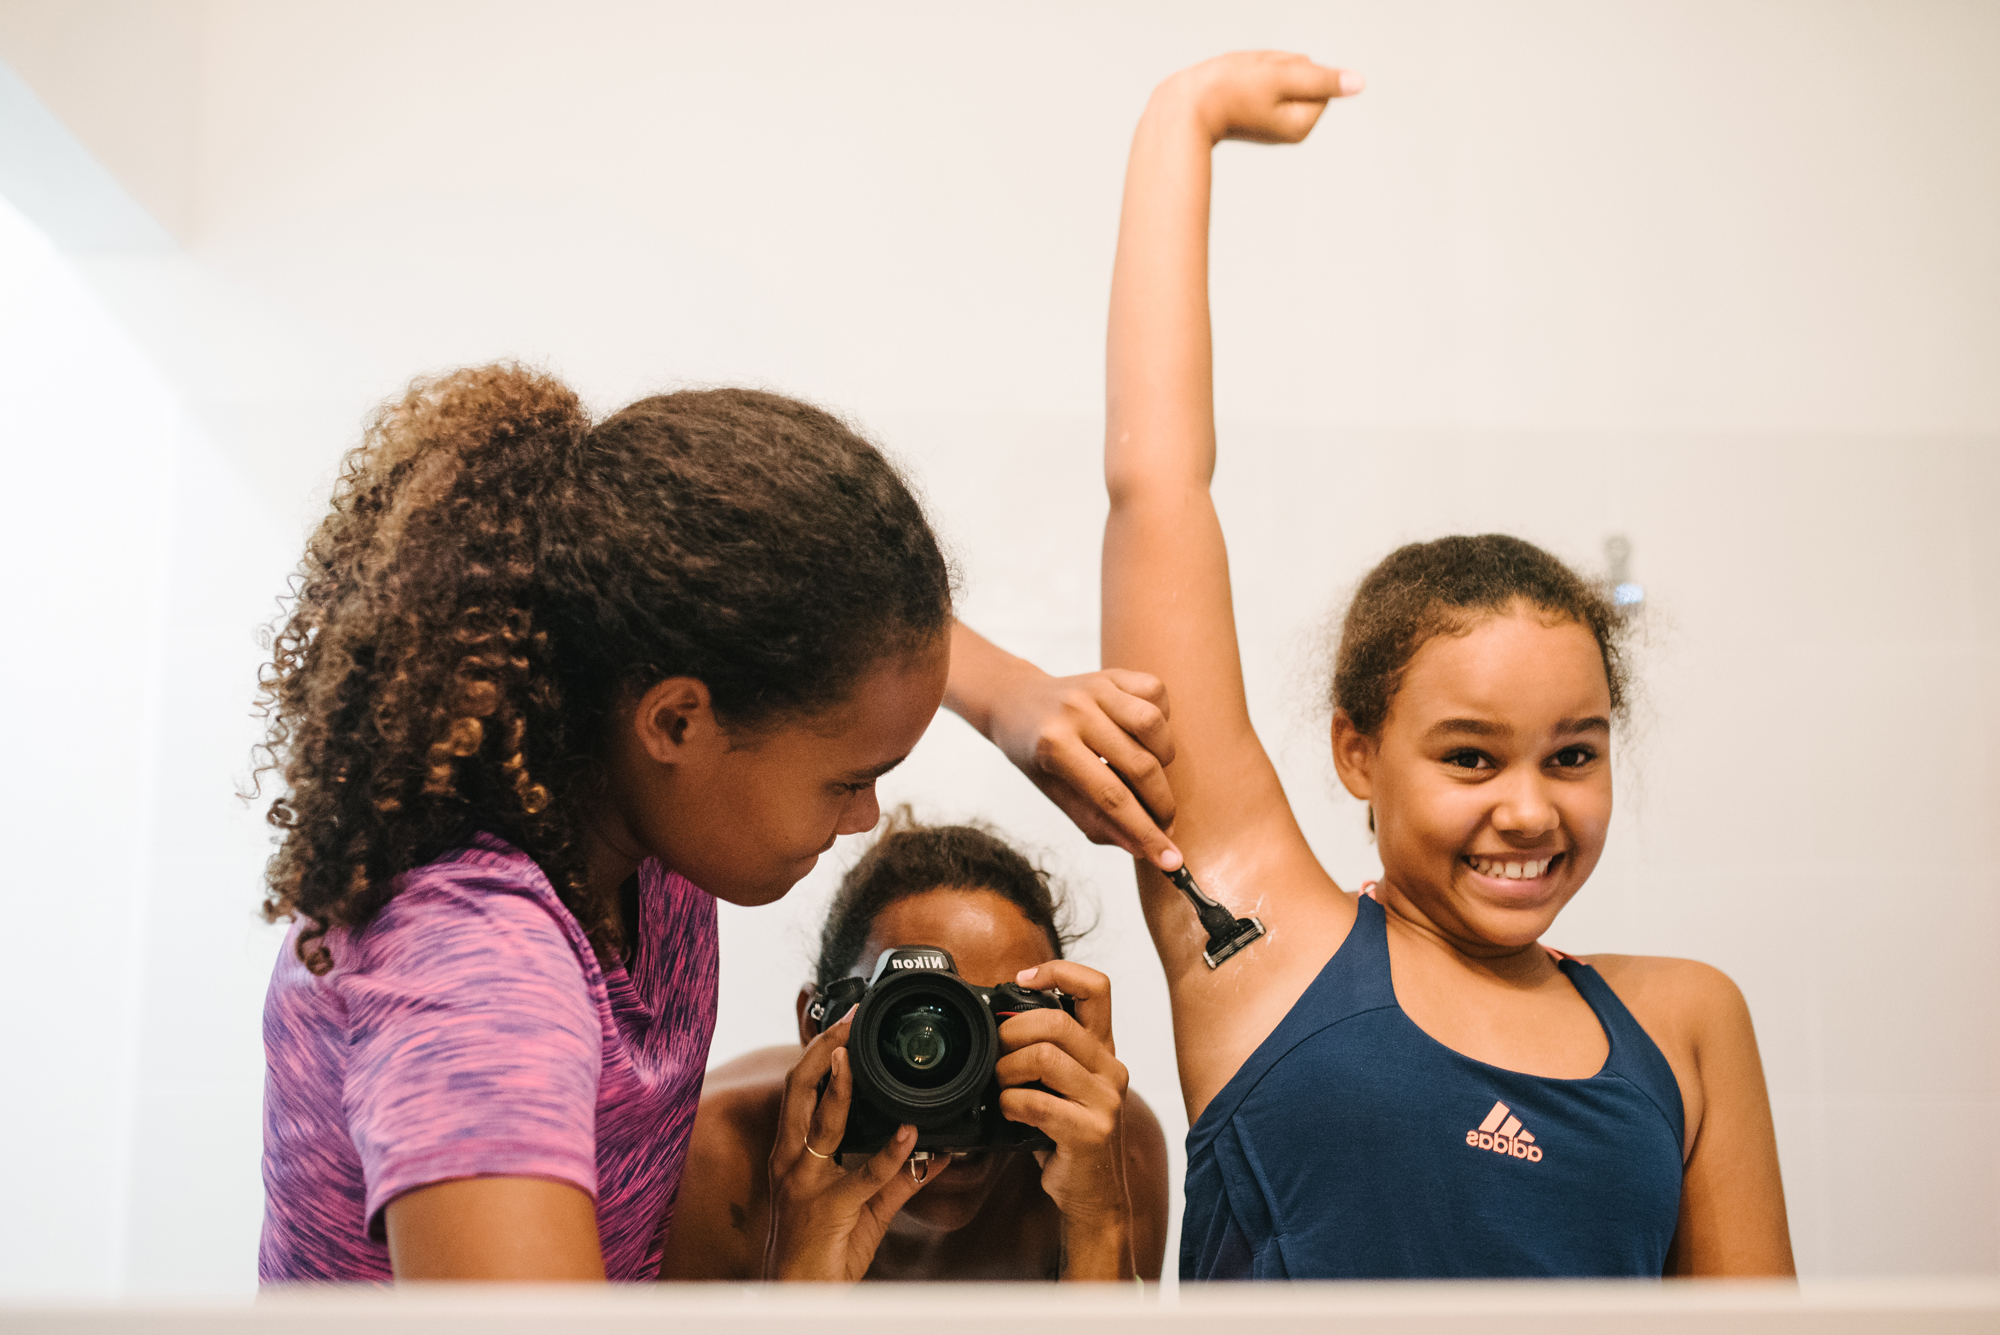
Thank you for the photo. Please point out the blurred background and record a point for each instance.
(1719, 279)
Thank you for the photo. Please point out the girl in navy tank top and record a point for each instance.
(1404, 1084)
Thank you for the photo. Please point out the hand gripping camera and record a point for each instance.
(922, 1050)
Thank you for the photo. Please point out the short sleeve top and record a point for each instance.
(469, 1031)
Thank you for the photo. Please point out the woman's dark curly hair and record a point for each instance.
(1445, 587)
(909, 859)
(498, 572)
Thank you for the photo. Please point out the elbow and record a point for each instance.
(1129, 495)
(1121, 487)
(1138, 479)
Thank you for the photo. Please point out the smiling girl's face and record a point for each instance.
(1490, 777)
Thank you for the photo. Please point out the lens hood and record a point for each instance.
(956, 1030)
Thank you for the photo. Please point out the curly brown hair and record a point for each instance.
(1444, 587)
(498, 572)
(909, 859)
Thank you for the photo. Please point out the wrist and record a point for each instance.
(1098, 1249)
(982, 676)
(1182, 103)
(806, 1269)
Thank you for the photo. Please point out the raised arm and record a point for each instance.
(1167, 608)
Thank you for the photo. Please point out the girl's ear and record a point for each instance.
(808, 1031)
(1354, 754)
(673, 718)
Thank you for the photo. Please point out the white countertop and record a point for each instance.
(1544, 1308)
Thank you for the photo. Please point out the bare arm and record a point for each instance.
(722, 1210)
(1062, 731)
(1733, 1218)
(1146, 1174)
(495, 1228)
(1167, 606)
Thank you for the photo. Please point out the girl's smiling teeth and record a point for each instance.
(1516, 869)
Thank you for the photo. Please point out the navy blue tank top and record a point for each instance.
(1352, 1145)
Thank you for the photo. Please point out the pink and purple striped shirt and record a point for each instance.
(468, 1031)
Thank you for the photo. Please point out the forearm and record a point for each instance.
(1159, 399)
(1166, 604)
(981, 674)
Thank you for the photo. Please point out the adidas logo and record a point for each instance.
(1502, 1133)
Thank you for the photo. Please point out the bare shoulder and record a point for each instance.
(1144, 1116)
(1685, 995)
(752, 1071)
(738, 1115)
(718, 1226)
(1694, 1012)
(740, 1101)
(1146, 1147)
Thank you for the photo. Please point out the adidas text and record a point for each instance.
(1503, 1133)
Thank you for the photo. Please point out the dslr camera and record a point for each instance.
(922, 1050)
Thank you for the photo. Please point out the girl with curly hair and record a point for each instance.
(550, 687)
(1403, 1084)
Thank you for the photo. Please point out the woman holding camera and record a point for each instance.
(763, 1197)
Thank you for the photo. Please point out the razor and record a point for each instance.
(1227, 933)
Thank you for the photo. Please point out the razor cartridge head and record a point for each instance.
(1227, 933)
(1242, 934)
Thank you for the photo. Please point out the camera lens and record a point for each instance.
(924, 1044)
(920, 1040)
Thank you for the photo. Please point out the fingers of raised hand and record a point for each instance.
(1298, 78)
(1274, 96)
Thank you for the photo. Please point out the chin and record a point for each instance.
(765, 895)
(755, 894)
(1510, 927)
(943, 1212)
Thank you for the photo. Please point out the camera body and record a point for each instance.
(922, 1050)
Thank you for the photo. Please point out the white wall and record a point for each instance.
(139, 564)
(90, 432)
(1723, 279)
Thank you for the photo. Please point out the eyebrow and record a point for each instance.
(1476, 727)
(1479, 727)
